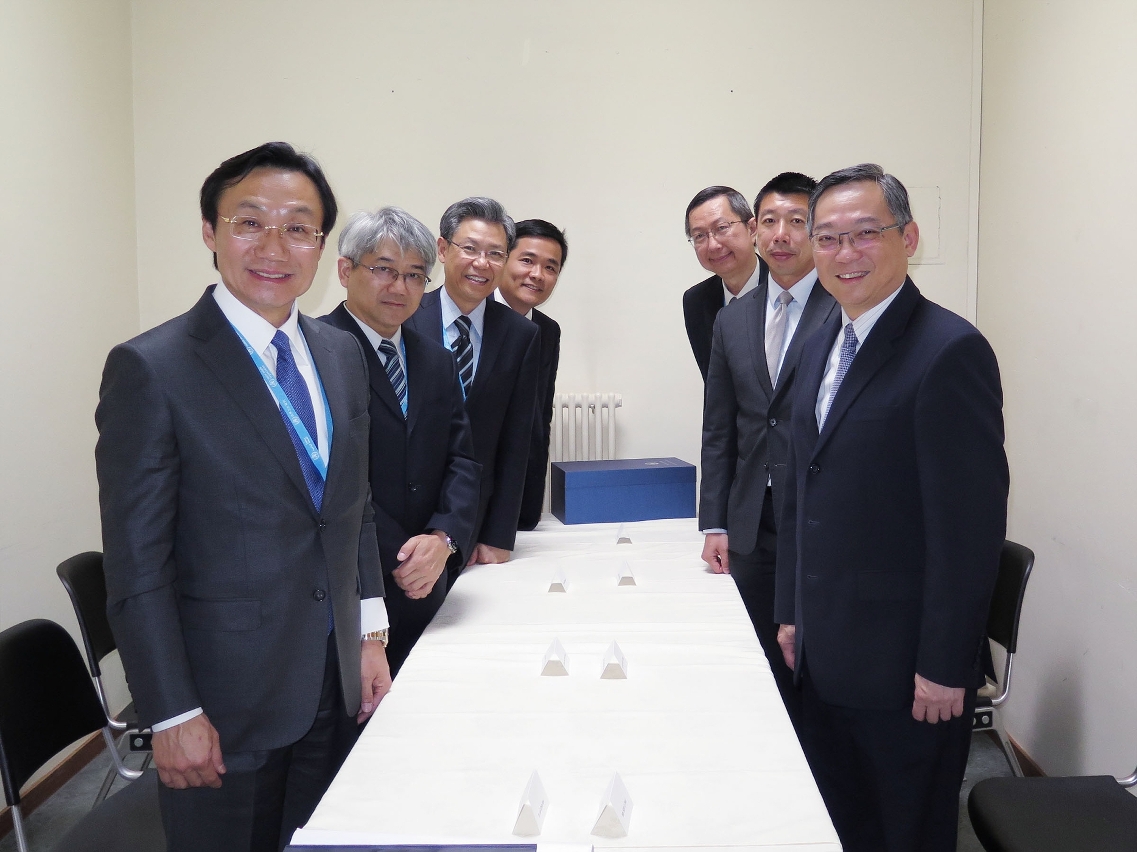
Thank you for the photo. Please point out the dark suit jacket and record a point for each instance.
(746, 422)
(533, 498)
(218, 565)
(896, 514)
(500, 406)
(423, 473)
(701, 304)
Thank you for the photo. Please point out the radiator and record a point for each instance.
(584, 427)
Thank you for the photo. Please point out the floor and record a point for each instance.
(52, 819)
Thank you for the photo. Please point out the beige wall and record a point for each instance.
(604, 117)
(68, 273)
(1057, 300)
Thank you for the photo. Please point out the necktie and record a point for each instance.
(464, 352)
(296, 389)
(776, 334)
(394, 372)
(848, 350)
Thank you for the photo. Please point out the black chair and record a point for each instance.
(47, 702)
(1081, 814)
(82, 577)
(1015, 563)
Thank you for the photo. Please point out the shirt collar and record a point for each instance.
(256, 329)
(863, 324)
(501, 299)
(451, 312)
(750, 284)
(374, 337)
(800, 291)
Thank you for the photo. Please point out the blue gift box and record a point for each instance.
(596, 492)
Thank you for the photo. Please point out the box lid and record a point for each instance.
(610, 472)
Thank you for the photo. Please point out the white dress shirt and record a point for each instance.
(259, 332)
(501, 299)
(451, 312)
(750, 284)
(862, 325)
(375, 338)
(800, 292)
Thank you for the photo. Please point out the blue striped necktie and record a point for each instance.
(464, 352)
(394, 372)
(296, 389)
(848, 351)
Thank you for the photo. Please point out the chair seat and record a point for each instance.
(126, 821)
(1091, 813)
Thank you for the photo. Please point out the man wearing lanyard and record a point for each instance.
(243, 578)
(497, 353)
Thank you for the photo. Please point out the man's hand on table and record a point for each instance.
(421, 562)
(715, 552)
(485, 555)
(375, 677)
(189, 754)
(787, 633)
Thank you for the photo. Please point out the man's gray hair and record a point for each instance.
(477, 207)
(739, 206)
(365, 230)
(895, 195)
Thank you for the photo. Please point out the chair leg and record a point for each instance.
(18, 824)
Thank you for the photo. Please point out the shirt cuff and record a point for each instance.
(177, 720)
(715, 530)
(372, 616)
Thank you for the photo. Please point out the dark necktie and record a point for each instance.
(394, 372)
(848, 351)
(464, 352)
(776, 334)
(296, 389)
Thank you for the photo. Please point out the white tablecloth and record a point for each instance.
(697, 731)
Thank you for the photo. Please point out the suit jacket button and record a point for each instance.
(765, 465)
(412, 488)
(323, 524)
(319, 595)
(773, 421)
(814, 469)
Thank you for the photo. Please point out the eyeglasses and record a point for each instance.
(387, 275)
(699, 238)
(860, 238)
(295, 234)
(471, 252)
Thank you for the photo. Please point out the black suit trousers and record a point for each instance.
(890, 783)
(409, 618)
(266, 795)
(755, 577)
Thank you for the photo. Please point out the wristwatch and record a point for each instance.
(377, 636)
(453, 548)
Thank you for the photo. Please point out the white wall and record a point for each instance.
(68, 273)
(1057, 299)
(603, 117)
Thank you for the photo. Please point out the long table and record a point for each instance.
(697, 730)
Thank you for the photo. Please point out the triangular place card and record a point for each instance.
(615, 664)
(531, 811)
(559, 583)
(556, 660)
(625, 577)
(615, 811)
(622, 537)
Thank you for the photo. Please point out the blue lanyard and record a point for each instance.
(290, 412)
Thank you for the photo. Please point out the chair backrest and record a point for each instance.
(82, 576)
(1015, 563)
(47, 700)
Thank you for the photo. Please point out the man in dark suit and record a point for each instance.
(895, 514)
(243, 581)
(527, 282)
(497, 355)
(757, 341)
(720, 226)
(424, 480)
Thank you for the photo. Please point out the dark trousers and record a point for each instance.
(409, 618)
(754, 575)
(264, 796)
(890, 783)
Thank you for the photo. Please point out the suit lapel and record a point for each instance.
(756, 332)
(416, 378)
(427, 320)
(337, 393)
(492, 335)
(873, 354)
(818, 308)
(222, 351)
(377, 373)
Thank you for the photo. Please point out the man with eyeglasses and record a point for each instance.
(720, 226)
(894, 518)
(244, 586)
(749, 391)
(496, 351)
(424, 480)
(530, 275)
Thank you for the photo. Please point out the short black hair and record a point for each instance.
(545, 230)
(738, 204)
(270, 155)
(787, 183)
